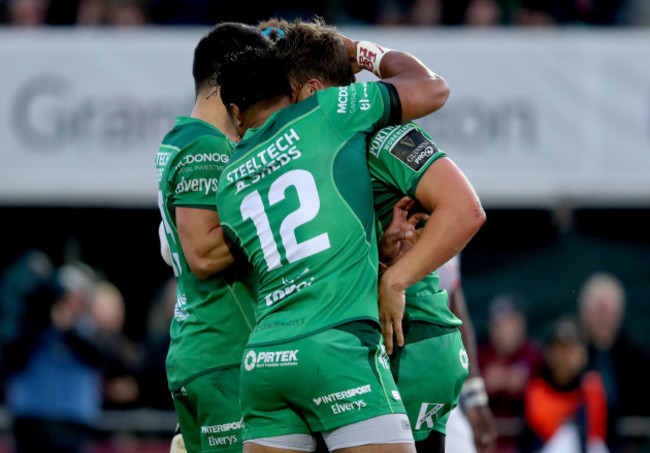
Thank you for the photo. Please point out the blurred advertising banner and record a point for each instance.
(535, 118)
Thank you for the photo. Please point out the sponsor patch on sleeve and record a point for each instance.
(414, 149)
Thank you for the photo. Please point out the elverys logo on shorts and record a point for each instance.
(270, 359)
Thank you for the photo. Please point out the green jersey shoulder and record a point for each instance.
(398, 156)
(214, 314)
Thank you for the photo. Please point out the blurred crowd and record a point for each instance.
(481, 13)
(573, 386)
(65, 358)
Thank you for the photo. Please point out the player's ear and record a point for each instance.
(236, 115)
(315, 85)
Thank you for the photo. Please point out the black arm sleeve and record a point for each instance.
(395, 104)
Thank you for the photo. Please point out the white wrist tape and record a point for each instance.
(473, 392)
(369, 56)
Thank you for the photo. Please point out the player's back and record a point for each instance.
(212, 317)
(297, 198)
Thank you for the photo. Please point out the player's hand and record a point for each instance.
(400, 235)
(178, 444)
(351, 47)
(392, 301)
(483, 425)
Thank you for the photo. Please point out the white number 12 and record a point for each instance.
(252, 208)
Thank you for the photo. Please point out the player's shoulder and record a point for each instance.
(349, 98)
(408, 143)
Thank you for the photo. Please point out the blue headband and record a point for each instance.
(267, 32)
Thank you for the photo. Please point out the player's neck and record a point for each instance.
(257, 116)
(212, 110)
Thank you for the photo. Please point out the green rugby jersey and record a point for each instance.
(296, 197)
(398, 156)
(212, 317)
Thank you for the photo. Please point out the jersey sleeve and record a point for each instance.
(193, 179)
(399, 155)
(361, 107)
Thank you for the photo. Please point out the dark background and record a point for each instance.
(543, 255)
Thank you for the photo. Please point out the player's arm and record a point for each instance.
(420, 90)
(474, 395)
(203, 241)
(456, 215)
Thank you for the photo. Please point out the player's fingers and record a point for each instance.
(418, 217)
(387, 333)
(400, 209)
(397, 325)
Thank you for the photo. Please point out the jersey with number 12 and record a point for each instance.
(296, 197)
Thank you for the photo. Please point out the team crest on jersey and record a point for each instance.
(414, 150)
(464, 360)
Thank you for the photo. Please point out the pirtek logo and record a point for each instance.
(270, 359)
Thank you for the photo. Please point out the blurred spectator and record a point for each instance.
(531, 13)
(122, 13)
(588, 12)
(508, 361)
(483, 13)
(637, 13)
(64, 354)
(152, 374)
(624, 367)
(409, 12)
(27, 13)
(120, 357)
(565, 406)
(53, 387)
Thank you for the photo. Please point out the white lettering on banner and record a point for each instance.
(64, 137)
(474, 123)
(270, 359)
(48, 113)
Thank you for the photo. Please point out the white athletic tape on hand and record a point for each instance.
(369, 56)
(474, 393)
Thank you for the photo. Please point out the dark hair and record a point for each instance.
(314, 50)
(217, 44)
(251, 77)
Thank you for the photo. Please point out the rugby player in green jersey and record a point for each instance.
(214, 314)
(403, 160)
(296, 199)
